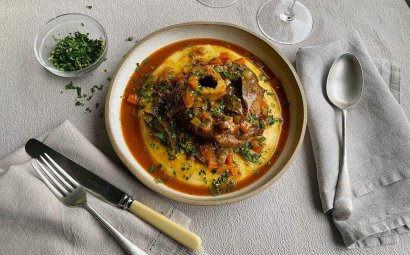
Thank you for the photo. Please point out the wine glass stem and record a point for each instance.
(289, 14)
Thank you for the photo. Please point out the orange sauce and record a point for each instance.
(131, 125)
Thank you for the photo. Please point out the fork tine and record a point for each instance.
(57, 193)
(55, 182)
(66, 184)
(66, 175)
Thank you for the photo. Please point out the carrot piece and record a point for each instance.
(244, 126)
(188, 100)
(210, 158)
(212, 165)
(224, 56)
(216, 61)
(239, 61)
(192, 82)
(233, 170)
(205, 116)
(222, 168)
(212, 162)
(229, 159)
(132, 98)
(179, 77)
(236, 128)
(256, 147)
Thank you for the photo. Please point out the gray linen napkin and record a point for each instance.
(33, 221)
(378, 148)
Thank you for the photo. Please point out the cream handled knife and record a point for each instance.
(115, 196)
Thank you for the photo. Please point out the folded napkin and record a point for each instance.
(33, 221)
(378, 143)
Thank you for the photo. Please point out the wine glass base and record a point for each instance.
(279, 27)
(217, 3)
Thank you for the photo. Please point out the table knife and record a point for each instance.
(115, 196)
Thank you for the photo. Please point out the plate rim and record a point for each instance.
(222, 201)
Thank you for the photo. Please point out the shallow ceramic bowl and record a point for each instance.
(230, 33)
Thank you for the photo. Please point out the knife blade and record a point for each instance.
(113, 195)
(89, 180)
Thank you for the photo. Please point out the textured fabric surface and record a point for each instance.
(281, 219)
(378, 143)
(30, 212)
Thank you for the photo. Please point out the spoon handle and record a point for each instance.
(343, 207)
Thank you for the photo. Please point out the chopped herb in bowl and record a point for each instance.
(71, 45)
(75, 52)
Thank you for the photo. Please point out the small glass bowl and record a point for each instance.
(60, 27)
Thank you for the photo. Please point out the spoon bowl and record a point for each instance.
(345, 81)
(344, 88)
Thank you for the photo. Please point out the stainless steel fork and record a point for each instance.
(71, 193)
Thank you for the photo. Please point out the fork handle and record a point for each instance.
(167, 226)
(127, 244)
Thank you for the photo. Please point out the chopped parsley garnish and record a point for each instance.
(218, 69)
(89, 7)
(151, 169)
(233, 75)
(219, 109)
(199, 73)
(190, 149)
(262, 140)
(158, 180)
(71, 86)
(249, 156)
(223, 184)
(75, 52)
(253, 117)
(129, 39)
(82, 98)
(95, 87)
(272, 120)
(263, 77)
(160, 136)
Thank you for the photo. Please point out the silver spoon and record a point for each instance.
(344, 89)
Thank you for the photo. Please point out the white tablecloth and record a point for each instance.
(284, 219)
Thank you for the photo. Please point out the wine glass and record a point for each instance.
(217, 3)
(286, 22)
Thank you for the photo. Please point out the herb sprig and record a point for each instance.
(83, 97)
